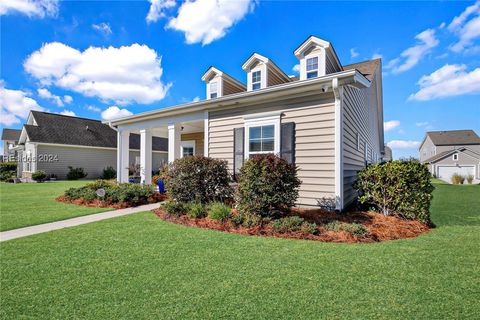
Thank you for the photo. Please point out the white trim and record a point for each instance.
(264, 121)
(338, 92)
(455, 156)
(188, 144)
(85, 147)
(205, 134)
(263, 116)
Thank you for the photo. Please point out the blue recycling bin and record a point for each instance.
(161, 186)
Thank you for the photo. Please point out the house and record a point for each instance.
(10, 140)
(449, 152)
(328, 121)
(53, 142)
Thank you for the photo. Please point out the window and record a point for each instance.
(455, 157)
(213, 90)
(312, 67)
(256, 80)
(188, 148)
(261, 139)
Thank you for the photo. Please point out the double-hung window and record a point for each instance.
(256, 80)
(213, 90)
(312, 67)
(261, 139)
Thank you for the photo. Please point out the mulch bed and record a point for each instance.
(156, 197)
(380, 228)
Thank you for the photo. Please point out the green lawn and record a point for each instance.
(27, 204)
(141, 267)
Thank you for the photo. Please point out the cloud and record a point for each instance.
(196, 99)
(466, 30)
(403, 144)
(103, 28)
(67, 99)
(67, 113)
(157, 9)
(296, 68)
(208, 20)
(123, 75)
(390, 125)
(411, 56)
(94, 109)
(30, 8)
(114, 112)
(353, 53)
(458, 21)
(45, 94)
(448, 81)
(422, 124)
(15, 105)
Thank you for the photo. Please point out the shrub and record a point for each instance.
(8, 166)
(470, 179)
(196, 210)
(76, 173)
(198, 179)
(309, 228)
(109, 173)
(355, 229)
(267, 186)
(80, 193)
(287, 224)
(457, 178)
(400, 187)
(174, 208)
(219, 211)
(39, 175)
(7, 176)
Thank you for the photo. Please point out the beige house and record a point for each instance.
(328, 121)
(450, 152)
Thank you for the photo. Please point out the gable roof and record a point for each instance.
(444, 154)
(60, 129)
(11, 134)
(367, 68)
(454, 137)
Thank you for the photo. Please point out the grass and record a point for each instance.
(27, 204)
(141, 267)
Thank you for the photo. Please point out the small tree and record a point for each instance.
(400, 187)
(267, 186)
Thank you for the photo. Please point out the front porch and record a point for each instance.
(186, 136)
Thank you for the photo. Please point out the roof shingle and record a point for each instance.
(11, 134)
(454, 137)
(367, 68)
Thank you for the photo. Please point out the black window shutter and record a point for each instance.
(238, 149)
(287, 142)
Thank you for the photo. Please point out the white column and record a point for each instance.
(173, 142)
(146, 156)
(123, 150)
(205, 134)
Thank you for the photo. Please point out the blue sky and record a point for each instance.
(104, 59)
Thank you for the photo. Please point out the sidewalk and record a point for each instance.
(46, 227)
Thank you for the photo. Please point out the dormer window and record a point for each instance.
(312, 67)
(256, 80)
(213, 90)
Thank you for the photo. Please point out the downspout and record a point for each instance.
(338, 93)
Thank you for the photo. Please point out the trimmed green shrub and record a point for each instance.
(309, 228)
(7, 176)
(109, 173)
(470, 179)
(81, 193)
(76, 173)
(267, 186)
(174, 208)
(197, 179)
(39, 175)
(218, 211)
(401, 187)
(355, 229)
(8, 166)
(251, 220)
(287, 224)
(196, 210)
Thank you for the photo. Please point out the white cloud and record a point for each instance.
(390, 125)
(103, 28)
(124, 75)
(422, 124)
(67, 99)
(196, 99)
(403, 144)
(157, 9)
(448, 81)
(31, 8)
(353, 53)
(296, 68)
(466, 30)
(45, 94)
(208, 20)
(94, 109)
(411, 56)
(67, 113)
(15, 105)
(458, 21)
(114, 112)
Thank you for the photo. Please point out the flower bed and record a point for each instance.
(377, 226)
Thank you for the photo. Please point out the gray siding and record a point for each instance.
(427, 149)
(314, 142)
(465, 158)
(360, 116)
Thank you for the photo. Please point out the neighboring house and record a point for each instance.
(387, 154)
(53, 142)
(449, 152)
(329, 121)
(10, 140)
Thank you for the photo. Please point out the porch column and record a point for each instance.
(173, 142)
(123, 150)
(146, 156)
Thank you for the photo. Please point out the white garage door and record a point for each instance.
(445, 172)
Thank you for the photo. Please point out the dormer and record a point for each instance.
(317, 58)
(220, 84)
(262, 73)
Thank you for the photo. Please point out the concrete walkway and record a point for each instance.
(46, 227)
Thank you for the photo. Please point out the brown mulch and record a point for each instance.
(156, 197)
(380, 227)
